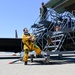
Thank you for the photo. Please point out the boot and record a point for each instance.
(25, 63)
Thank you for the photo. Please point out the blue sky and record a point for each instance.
(17, 14)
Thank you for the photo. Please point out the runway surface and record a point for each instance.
(65, 66)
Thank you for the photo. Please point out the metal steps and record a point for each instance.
(50, 40)
(56, 42)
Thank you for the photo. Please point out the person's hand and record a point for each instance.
(30, 38)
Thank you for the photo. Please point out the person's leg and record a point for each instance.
(36, 49)
(41, 18)
(44, 17)
(25, 57)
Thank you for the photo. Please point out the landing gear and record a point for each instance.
(46, 61)
(60, 56)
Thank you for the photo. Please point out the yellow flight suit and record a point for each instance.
(29, 45)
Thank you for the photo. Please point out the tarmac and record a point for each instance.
(65, 66)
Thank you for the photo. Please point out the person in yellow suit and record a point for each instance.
(28, 41)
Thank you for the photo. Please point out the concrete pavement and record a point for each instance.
(66, 66)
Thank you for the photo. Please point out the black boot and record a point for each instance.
(25, 63)
(32, 56)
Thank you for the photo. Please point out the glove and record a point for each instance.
(30, 38)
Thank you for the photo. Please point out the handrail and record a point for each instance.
(38, 18)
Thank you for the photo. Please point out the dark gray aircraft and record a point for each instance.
(11, 44)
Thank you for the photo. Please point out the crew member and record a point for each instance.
(43, 12)
(28, 41)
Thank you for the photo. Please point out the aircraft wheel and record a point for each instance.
(46, 61)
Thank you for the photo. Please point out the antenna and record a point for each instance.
(16, 35)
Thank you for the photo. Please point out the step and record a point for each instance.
(37, 26)
(53, 36)
(40, 29)
(66, 30)
(39, 32)
(40, 25)
(53, 46)
(56, 40)
(45, 22)
(34, 26)
(57, 32)
(36, 34)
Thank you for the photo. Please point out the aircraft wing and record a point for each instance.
(11, 45)
(61, 5)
